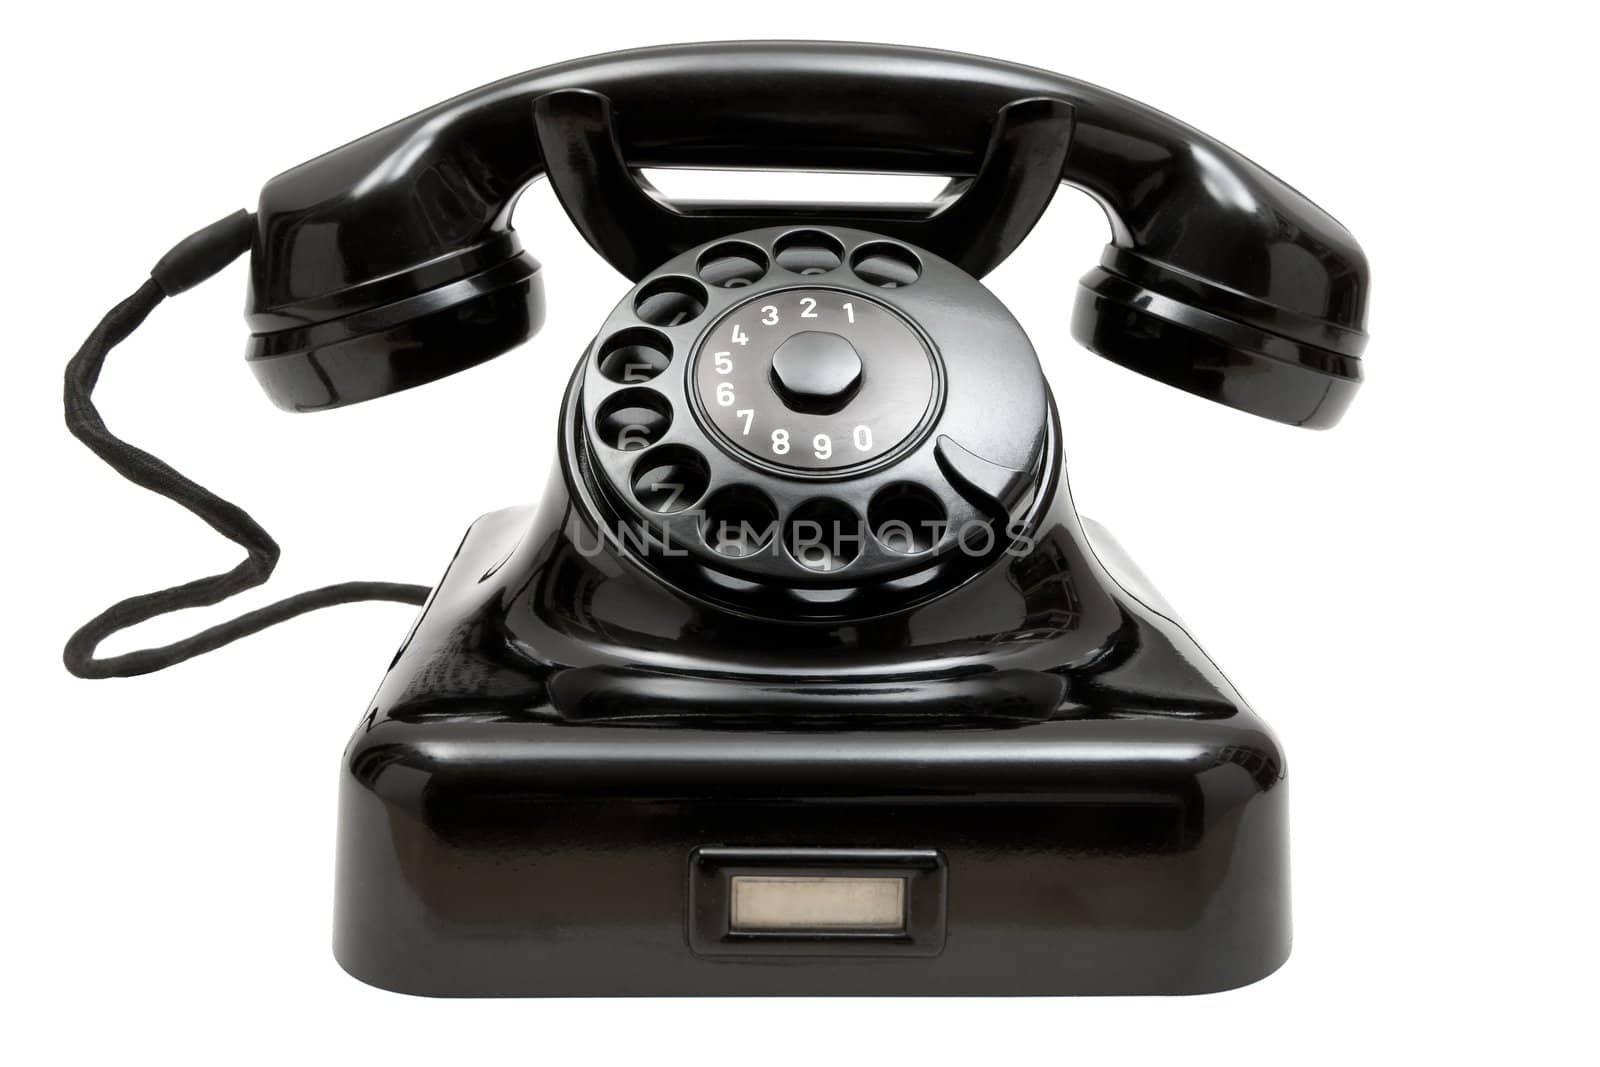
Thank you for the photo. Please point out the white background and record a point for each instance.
(1407, 599)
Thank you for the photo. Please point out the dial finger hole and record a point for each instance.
(740, 521)
(670, 479)
(906, 518)
(809, 252)
(823, 535)
(886, 265)
(633, 419)
(732, 265)
(670, 301)
(635, 355)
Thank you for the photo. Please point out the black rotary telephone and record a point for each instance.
(804, 676)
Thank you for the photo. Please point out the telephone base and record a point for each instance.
(490, 848)
(1075, 858)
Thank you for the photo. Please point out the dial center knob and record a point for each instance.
(816, 371)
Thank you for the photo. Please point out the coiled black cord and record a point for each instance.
(190, 262)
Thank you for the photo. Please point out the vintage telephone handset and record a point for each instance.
(804, 676)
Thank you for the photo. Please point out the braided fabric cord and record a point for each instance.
(191, 261)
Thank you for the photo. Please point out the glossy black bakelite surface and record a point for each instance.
(620, 702)
(604, 716)
(561, 734)
(390, 261)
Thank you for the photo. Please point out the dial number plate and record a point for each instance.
(741, 397)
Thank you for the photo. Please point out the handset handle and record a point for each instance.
(976, 223)
(1219, 278)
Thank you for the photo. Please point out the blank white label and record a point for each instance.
(797, 905)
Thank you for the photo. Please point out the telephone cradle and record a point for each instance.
(804, 676)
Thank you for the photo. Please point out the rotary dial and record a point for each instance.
(803, 422)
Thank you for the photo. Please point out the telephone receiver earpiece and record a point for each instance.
(391, 262)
